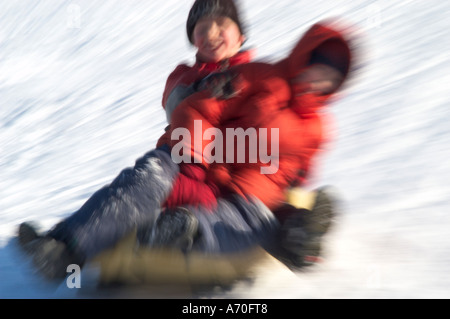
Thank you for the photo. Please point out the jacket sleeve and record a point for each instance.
(179, 85)
(196, 114)
(176, 78)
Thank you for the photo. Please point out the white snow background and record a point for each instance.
(80, 99)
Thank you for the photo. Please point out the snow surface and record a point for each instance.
(80, 94)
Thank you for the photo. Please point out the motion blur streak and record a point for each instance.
(80, 99)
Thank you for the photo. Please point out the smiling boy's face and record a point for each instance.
(217, 38)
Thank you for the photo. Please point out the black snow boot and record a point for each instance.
(50, 256)
(302, 230)
(26, 234)
(175, 229)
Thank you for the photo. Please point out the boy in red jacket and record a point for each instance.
(220, 208)
(214, 28)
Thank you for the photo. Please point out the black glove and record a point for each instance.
(221, 85)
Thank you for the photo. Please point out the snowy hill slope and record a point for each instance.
(80, 91)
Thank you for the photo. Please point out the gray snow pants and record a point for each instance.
(134, 199)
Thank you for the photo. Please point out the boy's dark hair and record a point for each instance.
(202, 8)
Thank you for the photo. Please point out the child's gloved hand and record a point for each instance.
(223, 85)
(320, 79)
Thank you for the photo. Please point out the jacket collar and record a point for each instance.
(240, 58)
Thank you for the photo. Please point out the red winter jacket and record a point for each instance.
(267, 100)
(191, 186)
